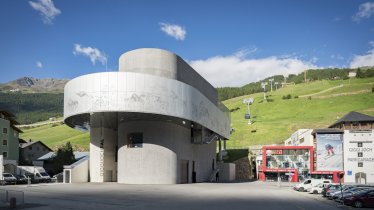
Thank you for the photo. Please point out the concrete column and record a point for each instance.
(103, 167)
(220, 150)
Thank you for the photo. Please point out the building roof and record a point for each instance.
(22, 141)
(354, 117)
(77, 155)
(6, 113)
(29, 143)
(327, 131)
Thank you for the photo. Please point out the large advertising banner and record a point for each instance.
(329, 152)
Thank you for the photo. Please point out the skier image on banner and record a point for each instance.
(329, 149)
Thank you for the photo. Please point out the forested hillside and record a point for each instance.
(311, 75)
(35, 107)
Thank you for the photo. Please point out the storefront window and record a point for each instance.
(288, 159)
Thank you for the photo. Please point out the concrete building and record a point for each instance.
(9, 141)
(302, 137)
(358, 147)
(156, 121)
(346, 146)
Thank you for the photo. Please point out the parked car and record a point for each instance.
(9, 178)
(309, 183)
(328, 187)
(363, 199)
(32, 178)
(317, 189)
(21, 179)
(345, 188)
(58, 177)
(338, 196)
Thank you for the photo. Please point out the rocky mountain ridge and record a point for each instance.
(34, 85)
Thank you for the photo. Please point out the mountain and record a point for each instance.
(34, 85)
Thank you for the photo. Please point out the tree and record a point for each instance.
(64, 156)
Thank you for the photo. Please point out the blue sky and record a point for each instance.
(230, 43)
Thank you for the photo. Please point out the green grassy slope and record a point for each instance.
(275, 121)
(54, 135)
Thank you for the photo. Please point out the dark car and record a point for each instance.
(32, 178)
(9, 178)
(21, 179)
(363, 199)
(332, 190)
(330, 187)
(338, 196)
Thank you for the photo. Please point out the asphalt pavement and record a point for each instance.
(215, 196)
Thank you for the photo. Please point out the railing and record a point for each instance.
(6, 195)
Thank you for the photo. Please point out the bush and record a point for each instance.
(286, 97)
(296, 97)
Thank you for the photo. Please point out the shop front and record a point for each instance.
(286, 163)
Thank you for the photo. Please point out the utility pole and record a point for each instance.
(305, 75)
(271, 84)
(263, 85)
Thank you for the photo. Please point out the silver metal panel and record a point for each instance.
(142, 93)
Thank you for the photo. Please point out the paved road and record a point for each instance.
(230, 196)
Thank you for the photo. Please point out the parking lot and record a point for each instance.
(248, 195)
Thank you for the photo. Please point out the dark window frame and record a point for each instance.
(135, 140)
(360, 164)
(5, 142)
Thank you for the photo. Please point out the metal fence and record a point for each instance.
(6, 195)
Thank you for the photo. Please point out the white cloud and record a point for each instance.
(39, 64)
(365, 11)
(176, 31)
(93, 53)
(364, 60)
(47, 10)
(237, 70)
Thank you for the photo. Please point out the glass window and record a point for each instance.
(5, 154)
(5, 142)
(301, 140)
(360, 164)
(359, 154)
(5, 130)
(359, 144)
(135, 140)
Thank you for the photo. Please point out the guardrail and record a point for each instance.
(6, 195)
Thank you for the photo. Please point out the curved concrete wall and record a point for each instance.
(142, 93)
(165, 146)
(166, 64)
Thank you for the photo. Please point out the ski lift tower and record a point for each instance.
(263, 85)
(271, 84)
(248, 101)
(276, 85)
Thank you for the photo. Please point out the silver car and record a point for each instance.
(9, 178)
